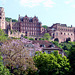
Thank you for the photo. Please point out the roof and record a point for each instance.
(48, 45)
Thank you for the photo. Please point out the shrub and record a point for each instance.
(31, 39)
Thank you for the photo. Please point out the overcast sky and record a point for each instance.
(47, 11)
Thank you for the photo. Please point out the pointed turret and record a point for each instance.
(19, 18)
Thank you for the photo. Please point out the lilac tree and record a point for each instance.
(15, 55)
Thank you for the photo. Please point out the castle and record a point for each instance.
(31, 27)
(61, 32)
(2, 18)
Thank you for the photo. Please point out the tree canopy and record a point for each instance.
(3, 36)
(46, 36)
(45, 26)
(51, 64)
(16, 57)
(72, 58)
(8, 19)
(3, 70)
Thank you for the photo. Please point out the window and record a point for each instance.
(0, 17)
(56, 34)
(61, 33)
(64, 33)
(49, 52)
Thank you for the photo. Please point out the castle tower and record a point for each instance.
(19, 19)
(2, 18)
(10, 24)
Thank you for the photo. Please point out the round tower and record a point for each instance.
(2, 18)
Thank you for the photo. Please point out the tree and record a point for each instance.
(45, 26)
(3, 69)
(25, 37)
(72, 58)
(31, 39)
(8, 19)
(16, 57)
(3, 36)
(51, 64)
(47, 36)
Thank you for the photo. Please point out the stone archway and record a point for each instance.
(68, 39)
(56, 39)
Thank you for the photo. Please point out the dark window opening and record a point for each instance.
(61, 32)
(0, 17)
(49, 52)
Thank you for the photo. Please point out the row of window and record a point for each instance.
(66, 33)
(30, 25)
(31, 33)
(65, 29)
(30, 28)
(62, 34)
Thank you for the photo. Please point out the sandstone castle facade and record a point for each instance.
(2, 18)
(61, 32)
(29, 26)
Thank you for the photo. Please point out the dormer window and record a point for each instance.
(51, 46)
(42, 45)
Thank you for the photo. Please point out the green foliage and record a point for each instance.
(15, 38)
(31, 39)
(46, 36)
(3, 70)
(14, 20)
(25, 37)
(51, 64)
(65, 46)
(3, 36)
(72, 58)
(8, 19)
(45, 26)
(41, 39)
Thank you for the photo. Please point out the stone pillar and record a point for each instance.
(10, 24)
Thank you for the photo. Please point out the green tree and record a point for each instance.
(45, 26)
(25, 37)
(8, 19)
(46, 36)
(51, 64)
(72, 58)
(3, 70)
(3, 36)
(31, 39)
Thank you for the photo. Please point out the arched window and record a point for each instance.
(64, 33)
(61, 33)
(68, 39)
(56, 39)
